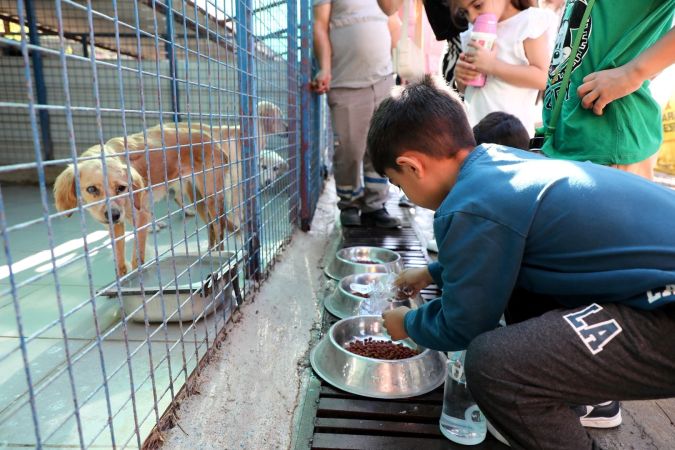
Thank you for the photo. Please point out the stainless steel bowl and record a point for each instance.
(350, 261)
(204, 284)
(344, 302)
(370, 377)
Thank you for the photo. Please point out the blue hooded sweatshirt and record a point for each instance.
(575, 233)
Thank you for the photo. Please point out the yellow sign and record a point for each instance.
(666, 158)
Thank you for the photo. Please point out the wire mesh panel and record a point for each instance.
(152, 170)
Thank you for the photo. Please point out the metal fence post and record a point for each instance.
(294, 85)
(40, 87)
(305, 101)
(171, 56)
(249, 131)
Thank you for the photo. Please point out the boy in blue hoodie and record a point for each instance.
(579, 257)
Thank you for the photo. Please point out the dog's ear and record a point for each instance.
(64, 190)
(270, 117)
(284, 167)
(138, 186)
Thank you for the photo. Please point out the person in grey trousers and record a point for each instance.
(353, 47)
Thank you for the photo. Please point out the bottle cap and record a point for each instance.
(486, 23)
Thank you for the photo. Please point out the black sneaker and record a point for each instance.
(349, 217)
(380, 219)
(603, 415)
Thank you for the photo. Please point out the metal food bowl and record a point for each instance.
(355, 260)
(345, 302)
(203, 285)
(369, 377)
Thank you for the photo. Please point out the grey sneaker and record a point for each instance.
(380, 219)
(349, 217)
(405, 202)
(603, 415)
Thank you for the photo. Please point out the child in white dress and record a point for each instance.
(516, 67)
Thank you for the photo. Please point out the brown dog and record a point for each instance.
(230, 139)
(172, 153)
(272, 165)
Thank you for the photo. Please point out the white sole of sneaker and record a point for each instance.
(496, 434)
(601, 422)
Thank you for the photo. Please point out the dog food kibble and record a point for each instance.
(365, 261)
(378, 349)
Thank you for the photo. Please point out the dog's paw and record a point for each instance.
(123, 269)
(158, 225)
(190, 212)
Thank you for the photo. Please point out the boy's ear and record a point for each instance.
(411, 163)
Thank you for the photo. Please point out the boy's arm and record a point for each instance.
(481, 261)
(322, 48)
(601, 88)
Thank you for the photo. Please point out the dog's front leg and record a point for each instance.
(138, 256)
(118, 238)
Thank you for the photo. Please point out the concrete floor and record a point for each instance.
(252, 394)
(252, 389)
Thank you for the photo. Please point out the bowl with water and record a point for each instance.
(363, 259)
(367, 294)
(375, 377)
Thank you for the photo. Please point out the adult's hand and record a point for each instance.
(321, 82)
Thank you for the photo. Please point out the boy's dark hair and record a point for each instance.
(502, 128)
(425, 116)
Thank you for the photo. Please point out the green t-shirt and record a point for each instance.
(617, 32)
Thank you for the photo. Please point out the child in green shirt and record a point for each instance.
(613, 119)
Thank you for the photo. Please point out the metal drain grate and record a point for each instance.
(348, 421)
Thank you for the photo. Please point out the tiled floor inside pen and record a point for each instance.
(41, 304)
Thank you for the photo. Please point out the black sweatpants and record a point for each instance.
(526, 376)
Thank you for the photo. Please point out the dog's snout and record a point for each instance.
(113, 215)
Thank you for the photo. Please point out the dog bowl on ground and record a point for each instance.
(354, 260)
(345, 302)
(369, 377)
(202, 285)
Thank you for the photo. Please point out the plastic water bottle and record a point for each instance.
(461, 420)
(483, 34)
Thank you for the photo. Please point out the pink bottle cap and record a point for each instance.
(486, 23)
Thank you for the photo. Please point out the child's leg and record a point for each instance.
(524, 377)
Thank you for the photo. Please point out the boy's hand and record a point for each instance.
(393, 322)
(482, 59)
(601, 88)
(413, 280)
(465, 71)
(321, 82)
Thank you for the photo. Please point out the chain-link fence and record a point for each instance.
(156, 157)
